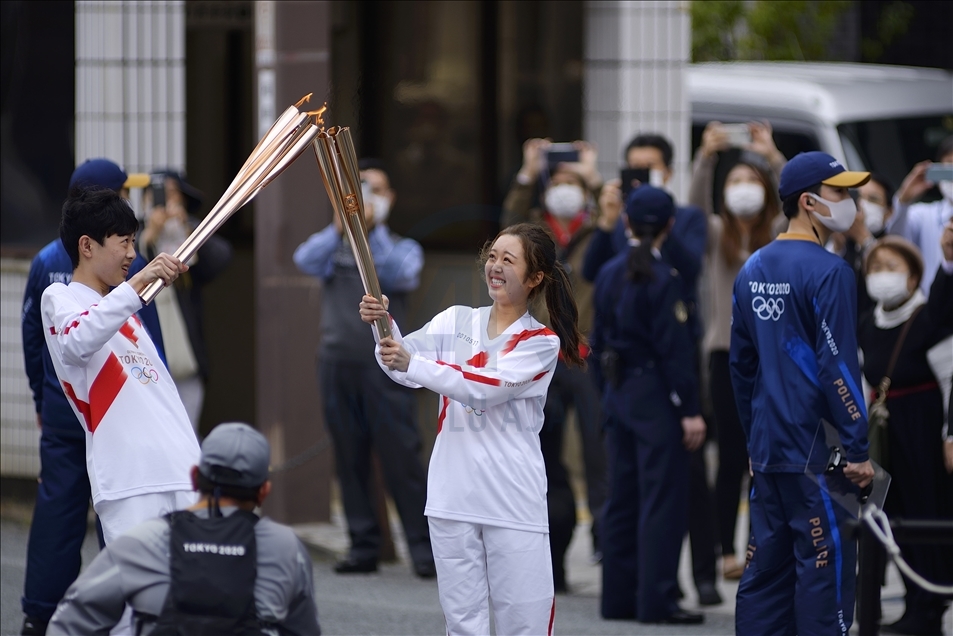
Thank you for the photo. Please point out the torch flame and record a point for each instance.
(318, 120)
(304, 99)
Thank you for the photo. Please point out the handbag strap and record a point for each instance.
(885, 382)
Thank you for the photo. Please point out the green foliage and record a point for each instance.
(893, 22)
(803, 30)
(715, 25)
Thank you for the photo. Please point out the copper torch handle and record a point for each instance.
(338, 164)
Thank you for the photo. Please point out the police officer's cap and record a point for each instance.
(648, 205)
(235, 454)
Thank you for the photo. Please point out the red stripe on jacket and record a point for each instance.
(82, 407)
(473, 377)
(525, 335)
(104, 390)
(443, 414)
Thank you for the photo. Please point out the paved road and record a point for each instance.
(393, 601)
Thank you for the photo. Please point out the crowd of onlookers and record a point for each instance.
(734, 209)
(653, 283)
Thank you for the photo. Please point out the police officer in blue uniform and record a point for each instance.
(643, 356)
(793, 362)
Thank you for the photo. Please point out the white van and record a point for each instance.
(871, 117)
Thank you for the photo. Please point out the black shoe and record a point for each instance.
(924, 624)
(351, 565)
(425, 569)
(681, 617)
(708, 594)
(33, 626)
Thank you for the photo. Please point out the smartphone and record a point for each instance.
(738, 134)
(561, 153)
(157, 185)
(632, 178)
(939, 172)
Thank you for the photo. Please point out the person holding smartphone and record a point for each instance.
(741, 216)
(568, 177)
(170, 220)
(922, 223)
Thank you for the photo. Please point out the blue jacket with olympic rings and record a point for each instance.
(52, 265)
(793, 355)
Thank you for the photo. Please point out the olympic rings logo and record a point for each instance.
(478, 412)
(770, 309)
(145, 375)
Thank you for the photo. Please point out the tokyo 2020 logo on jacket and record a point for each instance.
(767, 309)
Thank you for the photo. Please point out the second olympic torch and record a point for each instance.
(337, 160)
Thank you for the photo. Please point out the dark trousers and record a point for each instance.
(732, 451)
(572, 388)
(701, 519)
(701, 513)
(59, 523)
(645, 518)
(365, 410)
(801, 575)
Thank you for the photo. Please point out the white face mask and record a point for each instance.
(842, 215)
(744, 200)
(657, 178)
(380, 203)
(565, 200)
(946, 189)
(888, 288)
(873, 215)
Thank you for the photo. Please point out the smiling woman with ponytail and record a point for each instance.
(486, 490)
(643, 352)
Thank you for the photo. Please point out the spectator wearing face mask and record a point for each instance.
(922, 223)
(167, 225)
(747, 209)
(913, 451)
(874, 209)
(363, 410)
(565, 212)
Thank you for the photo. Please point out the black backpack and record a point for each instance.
(213, 565)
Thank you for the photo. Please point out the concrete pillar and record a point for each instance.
(635, 57)
(292, 58)
(130, 83)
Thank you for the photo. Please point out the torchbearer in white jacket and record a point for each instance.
(486, 491)
(139, 442)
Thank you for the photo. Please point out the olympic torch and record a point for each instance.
(282, 144)
(337, 160)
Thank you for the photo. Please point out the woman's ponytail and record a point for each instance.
(640, 256)
(564, 315)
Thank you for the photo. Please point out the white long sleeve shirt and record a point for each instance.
(138, 436)
(486, 466)
(922, 224)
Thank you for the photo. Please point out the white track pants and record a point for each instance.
(478, 565)
(120, 515)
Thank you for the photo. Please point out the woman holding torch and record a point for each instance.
(486, 491)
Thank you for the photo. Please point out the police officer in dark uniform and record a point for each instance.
(643, 356)
(216, 568)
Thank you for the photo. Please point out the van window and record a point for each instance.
(891, 147)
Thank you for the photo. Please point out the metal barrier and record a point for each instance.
(19, 436)
(878, 537)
